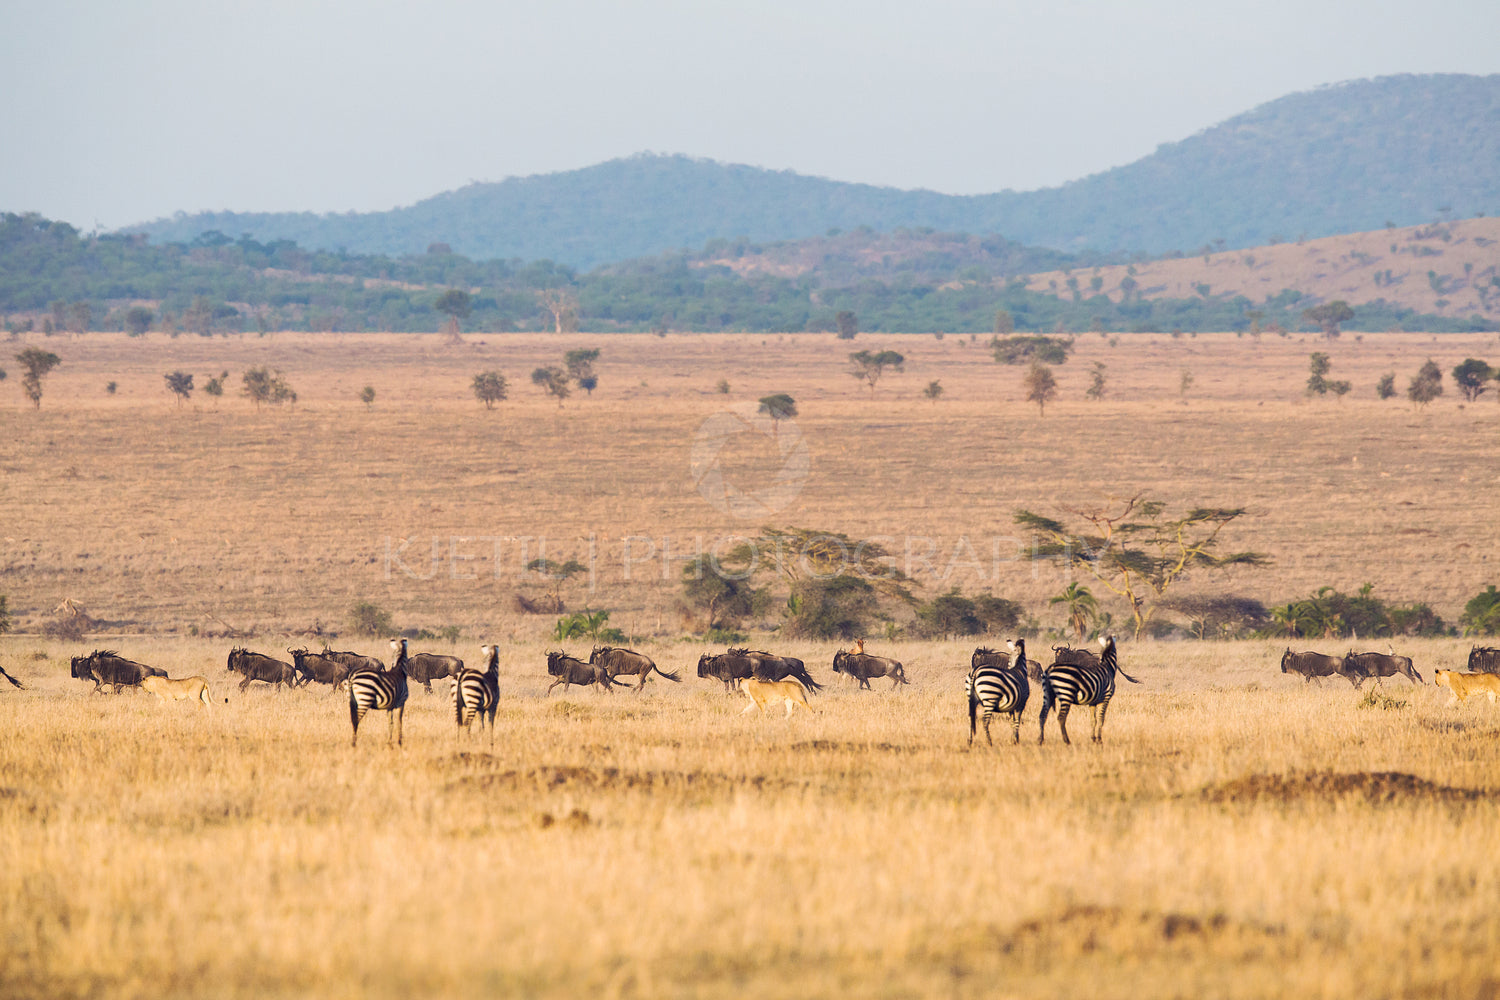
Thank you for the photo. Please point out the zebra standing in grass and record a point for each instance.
(476, 693)
(999, 689)
(382, 690)
(1069, 684)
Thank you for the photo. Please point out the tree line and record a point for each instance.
(56, 279)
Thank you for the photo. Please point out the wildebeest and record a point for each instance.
(986, 657)
(863, 666)
(1358, 666)
(427, 667)
(317, 667)
(728, 667)
(1314, 666)
(1484, 660)
(571, 670)
(771, 667)
(354, 661)
(1073, 657)
(628, 662)
(105, 666)
(260, 667)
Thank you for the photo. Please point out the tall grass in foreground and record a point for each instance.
(1234, 836)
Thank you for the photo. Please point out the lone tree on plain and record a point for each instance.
(215, 385)
(934, 390)
(263, 385)
(367, 396)
(138, 320)
(1471, 376)
(778, 407)
(554, 381)
(37, 364)
(457, 304)
(1136, 549)
(489, 388)
(1040, 385)
(1386, 387)
(869, 366)
(180, 384)
(1329, 315)
(1426, 385)
(848, 324)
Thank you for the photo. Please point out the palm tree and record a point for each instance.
(1081, 606)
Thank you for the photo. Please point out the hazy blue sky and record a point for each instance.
(117, 112)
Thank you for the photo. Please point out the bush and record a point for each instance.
(367, 619)
(838, 608)
(1330, 614)
(1481, 615)
(1026, 348)
(953, 614)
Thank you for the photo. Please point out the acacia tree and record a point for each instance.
(725, 598)
(1097, 387)
(934, 390)
(138, 320)
(489, 388)
(262, 385)
(457, 304)
(553, 380)
(180, 384)
(1136, 549)
(869, 366)
(1040, 385)
(1426, 385)
(580, 367)
(778, 406)
(1317, 384)
(37, 363)
(1329, 315)
(1471, 376)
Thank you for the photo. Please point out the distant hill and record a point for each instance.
(1345, 158)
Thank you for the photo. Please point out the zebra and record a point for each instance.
(476, 693)
(1069, 684)
(999, 689)
(383, 690)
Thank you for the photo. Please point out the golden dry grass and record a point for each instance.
(1239, 833)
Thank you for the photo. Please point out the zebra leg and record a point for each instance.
(1099, 712)
(987, 717)
(972, 720)
(1041, 736)
(1015, 727)
(1062, 721)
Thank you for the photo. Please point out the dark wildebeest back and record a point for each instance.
(770, 667)
(863, 666)
(986, 657)
(426, 667)
(354, 661)
(259, 667)
(627, 662)
(1315, 666)
(317, 667)
(571, 670)
(1074, 657)
(1380, 665)
(1484, 660)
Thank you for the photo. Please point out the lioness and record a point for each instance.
(789, 690)
(186, 689)
(1463, 685)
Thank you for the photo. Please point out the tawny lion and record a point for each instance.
(789, 690)
(1463, 685)
(185, 689)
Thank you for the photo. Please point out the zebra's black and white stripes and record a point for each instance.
(476, 693)
(998, 689)
(381, 690)
(1067, 684)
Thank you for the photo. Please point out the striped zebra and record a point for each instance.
(1069, 684)
(382, 690)
(998, 688)
(476, 693)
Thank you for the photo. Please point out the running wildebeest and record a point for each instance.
(1315, 666)
(727, 667)
(571, 670)
(1358, 666)
(863, 666)
(627, 662)
(427, 667)
(105, 666)
(317, 667)
(259, 667)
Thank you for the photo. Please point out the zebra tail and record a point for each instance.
(353, 709)
(1126, 676)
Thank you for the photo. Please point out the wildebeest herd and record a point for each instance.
(997, 683)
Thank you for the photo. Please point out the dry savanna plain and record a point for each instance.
(1239, 833)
